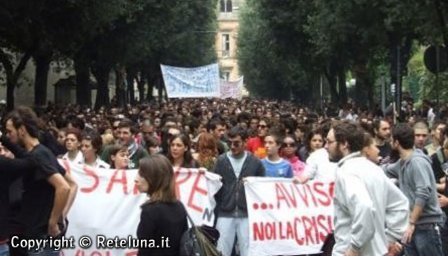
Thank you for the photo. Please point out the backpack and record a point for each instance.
(199, 241)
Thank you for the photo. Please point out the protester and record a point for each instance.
(436, 137)
(256, 145)
(90, 146)
(370, 149)
(119, 157)
(381, 129)
(48, 190)
(231, 204)
(72, 144)
(288, 152)
(371, 213)
(207, 151)
(180, 152)
(421, 132)
(162, 215)
(126, 137)
(274, 165)
(314, 141)
(416, 180)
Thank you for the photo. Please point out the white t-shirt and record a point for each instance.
(319, 167)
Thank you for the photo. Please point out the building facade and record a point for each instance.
(226, 38)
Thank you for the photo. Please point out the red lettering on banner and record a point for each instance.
(303, 230)
(91, 173)
(299, 240)
(283, 195)
(331, 190)
(122, 180)
(196, 189)
(318, 188)
(135, 190)
(179, 181)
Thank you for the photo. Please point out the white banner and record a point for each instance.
(232, 89)
(107, 206)
(191, 82)
(287, 218)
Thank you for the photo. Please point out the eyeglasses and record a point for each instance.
(291, 145)
(234, 143)
(262, 126)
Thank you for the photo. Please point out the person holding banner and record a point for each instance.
(274, 165)
(162, 216)
(371, 213)
(231, 203)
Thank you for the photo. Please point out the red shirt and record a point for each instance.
(256, 146)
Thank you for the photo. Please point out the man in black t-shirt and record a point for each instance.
(381, 128)
(48, 190)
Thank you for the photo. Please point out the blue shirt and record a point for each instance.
(281, 168)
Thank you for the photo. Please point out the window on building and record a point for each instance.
(225, 5)
(225, 45)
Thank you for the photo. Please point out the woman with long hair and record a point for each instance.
(179, 152)
(314, 141)
(207, 151)
(162, 215)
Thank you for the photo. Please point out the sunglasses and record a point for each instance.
(262, 126)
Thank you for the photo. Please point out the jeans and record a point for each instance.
(227, 228)
(425, 241)
(444, 235)
(4, 250)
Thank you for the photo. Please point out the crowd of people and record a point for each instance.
(390, 178)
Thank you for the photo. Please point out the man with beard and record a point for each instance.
(416, 180)
(381, 128)
(371, 213)
(48, 190)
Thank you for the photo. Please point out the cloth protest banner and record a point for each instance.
(107, 208)
(232, 89)
(191, 82)
(287, 218)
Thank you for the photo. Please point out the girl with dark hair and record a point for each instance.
(314, 141)
(162, 216)
(91, 144)
(179, 152)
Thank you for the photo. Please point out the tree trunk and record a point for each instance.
(12, 76)
(141, 86)
(332, 82)
(120, 86)
(83, 89)
(362, 83)
(130, 76)
(101, 73)
(41, 79)
(342, 88)
(151, 79)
